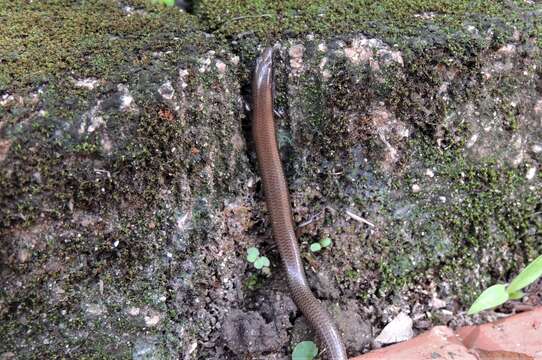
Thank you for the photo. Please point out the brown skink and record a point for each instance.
(278, 205)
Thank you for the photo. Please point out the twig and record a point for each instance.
(359, 218)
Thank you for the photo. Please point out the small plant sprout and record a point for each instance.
(498, 294)
(324, 243)
(252, 254)
(305, 350)
(315, 247)
(260, 262)
(164, 2)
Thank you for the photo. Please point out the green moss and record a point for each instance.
(487, 214)
(41, 40)
(391, 19)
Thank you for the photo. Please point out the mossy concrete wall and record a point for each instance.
(129, 191)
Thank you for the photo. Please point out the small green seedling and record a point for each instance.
(305, 350)
(498, 294)
(260, 262)
(324, 243)
(165, 2)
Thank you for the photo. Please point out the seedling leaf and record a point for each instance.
(326, 242)
(516, 295)
(265, 261)
(532, 272)
(305, 350)
(260, 262)
(252, 254)
(315, 247)
(493, 296)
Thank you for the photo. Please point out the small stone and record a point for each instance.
(429, 173)
(531, 172)
(399, 329)
(437, 303)
(152, 319)
(134, 311)
(416, 188)
(89, 83)
(220, 66)
(234, 60)
(126, 99)
(166, 90)
(95, 309)
(296, 57)
(23, 255)
(192, 347)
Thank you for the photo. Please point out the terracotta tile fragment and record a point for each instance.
(520, 333)
(439, 343)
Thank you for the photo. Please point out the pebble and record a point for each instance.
(399, 329)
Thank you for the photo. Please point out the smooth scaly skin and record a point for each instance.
(278, 204)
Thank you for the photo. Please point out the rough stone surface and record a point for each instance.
(249, 333)
(410, 134)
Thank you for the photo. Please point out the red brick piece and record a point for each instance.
(439, 343)
(520, 333)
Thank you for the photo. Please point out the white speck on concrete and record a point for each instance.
(472, 140)
(134, 311)
(322, 47)
(204, 65)
(107, 146)
(507, 50)
(95, 123)
(166, 90)
(126, 99)
(182, 74)
(221, 67)
(234, 60)
(531, 172)
(183, 222)
(192, 347)
(296, 58)
(6, 99)
(152, 320)
(437, 303)
(359, 51)
(89, 83)
(128, 9)
(323, 63)
(95, 309)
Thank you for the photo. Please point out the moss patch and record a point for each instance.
(84, 39)
(389, 19)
